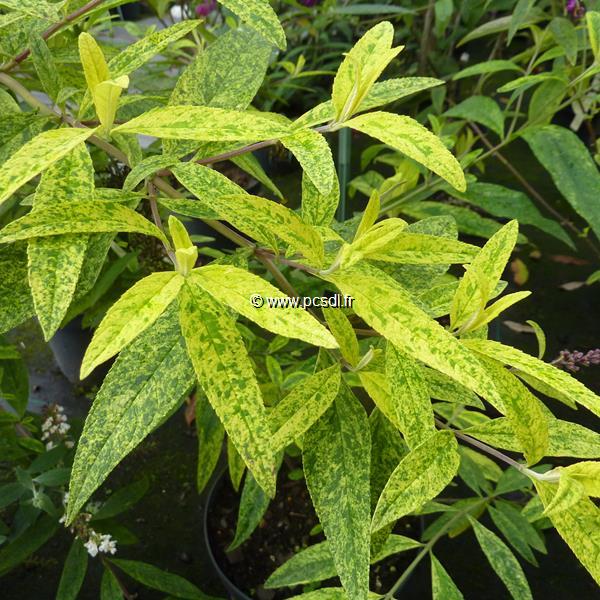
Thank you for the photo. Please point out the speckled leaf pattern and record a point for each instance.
(235, 465)
(135, 55)
(331, 594)
(55, 262)
(552, 376)
(36, 155)
(16, 304)
(336, 456)
(314, 155)
(249, 163)
(413, 140)
(420, 248)
(210, 440)
(235, 287)
(588, 474)
(259, 15)
(343, 332)
(264, 220)
(81, 217)
(319, 209)
(526, 414)
(442, 586)
(306, 402)
(203, 123)
(383, 92)
(569, 491)
(579, 527)
(503, 561)
(253, 505)
(377, 387)
(226, 375)
(482, 276)
(496, 309)
(421, 475)
(442, 387)
(361, 67)
(315, 563)
(388, 308)
(410, 395)
(571, 167)
(369, 216)
(565, 438)
(136, 310)
(225, 75)
(143, 387)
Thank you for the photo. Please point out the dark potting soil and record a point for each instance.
(284, 530)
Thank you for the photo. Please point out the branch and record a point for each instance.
(52, 30)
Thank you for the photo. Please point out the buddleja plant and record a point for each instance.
(181, 329)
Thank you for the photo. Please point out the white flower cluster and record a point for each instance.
(100, 543)
(55, 428)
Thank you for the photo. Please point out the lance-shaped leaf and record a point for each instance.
(73, 572)
(259, 15)
(55, 262)
(109, 587)
(413, 140)
(578, 526)
(571, 167)
(136, 310)
(550, 375)
(135, 55)
(568, 492)
(144, 386)
(226, 375)
(93, 62)
(253, 505)
(361, 67)
(442, 586)
(343, 332)
(315, 563)
(106, 98)
(526, 414)
(503, 561)
(383, 92)
(421, 475)
(78, 217)
(236, 288)
(420, 248)
(410, 395)
(210, 440)
(45, 66)
(480, 109)
(36, 155)
(314, 155)
(16, 304)
(369, 216)
(389, 309)
(482, 276)
(565, 438)
(442, 387)
(319, 209)
(203, 123)
(496, 309)
(330, 593)
(592, 19)
(587, 473)
(295, 414)
(377, 386)
(336, 465)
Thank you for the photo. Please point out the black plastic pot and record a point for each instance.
(234, 592)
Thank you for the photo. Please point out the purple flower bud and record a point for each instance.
(204, 9)
(573, 361)
(309, 3)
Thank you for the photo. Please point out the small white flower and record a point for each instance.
(47, 424)
(63, 428)
(69, 444)
(464, 57)
(60, 408)
(65, 498)
(45, 436)
(91, 547)
(49, 445)
(54, 429)
(62, 519)
(107, 545)
(61, 418)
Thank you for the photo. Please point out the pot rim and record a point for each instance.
(229, 585)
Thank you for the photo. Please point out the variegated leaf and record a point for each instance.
(421, 475)
(413, 140)
(336, 465)
(259, 15)
(203, 123)
(78, 217)
(343, 332)
(226, 375)
(136, 310)
(236, 287)
(410, 395)
(55, 262)
(36, 155)
(210, 440)
(549, 374)
(319, 209)
(295, 414)
(442, 586)
(144, 386)
(16, 304)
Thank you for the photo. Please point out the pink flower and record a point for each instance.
(204, 9)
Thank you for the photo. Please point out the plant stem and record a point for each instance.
(427, 548)
(52, 30)
(427, 25)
